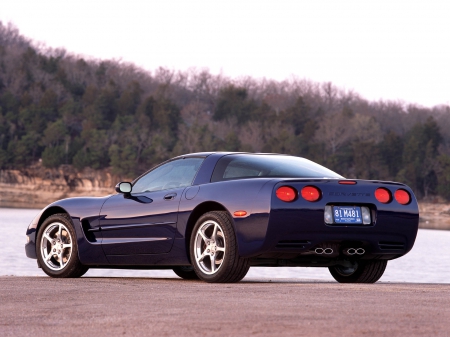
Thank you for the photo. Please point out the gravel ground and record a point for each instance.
(41, 306)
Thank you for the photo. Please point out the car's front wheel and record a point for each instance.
(214, 251)
(186, 272)
(359, 272)
(57, 249)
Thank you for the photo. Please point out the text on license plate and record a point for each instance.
(347, 214)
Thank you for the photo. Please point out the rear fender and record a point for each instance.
(249, 195)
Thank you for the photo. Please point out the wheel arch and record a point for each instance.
(49, 212)
(199, 210)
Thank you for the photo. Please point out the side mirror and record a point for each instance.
(124, 187)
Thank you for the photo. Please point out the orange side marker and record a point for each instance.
(240, 213)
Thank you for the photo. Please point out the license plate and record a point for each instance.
(347, 214)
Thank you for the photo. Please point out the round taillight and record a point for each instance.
(402, 197)
(286, 193)
(383, 195)
(310, 193)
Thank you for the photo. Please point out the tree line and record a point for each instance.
(62, 108)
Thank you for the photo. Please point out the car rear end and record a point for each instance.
(315, 221)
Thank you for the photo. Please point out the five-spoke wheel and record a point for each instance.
(213, 249)
(56, 246)
(57, 249)
(209, 247)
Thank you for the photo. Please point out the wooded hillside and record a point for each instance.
(66, 109)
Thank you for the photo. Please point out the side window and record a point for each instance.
(239, 170)
(174, 174)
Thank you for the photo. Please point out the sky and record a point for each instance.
(384, 49)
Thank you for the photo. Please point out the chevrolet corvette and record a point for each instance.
(211, 216)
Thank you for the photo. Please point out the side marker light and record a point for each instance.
(240, 213)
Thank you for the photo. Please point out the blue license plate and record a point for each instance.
(347, 214)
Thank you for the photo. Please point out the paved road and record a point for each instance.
(40, 306)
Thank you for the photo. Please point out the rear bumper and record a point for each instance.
(297, 233)
(287, 230)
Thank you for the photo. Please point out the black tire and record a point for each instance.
(233, 268)
(365, 272)
(186, 272)
(72, 267)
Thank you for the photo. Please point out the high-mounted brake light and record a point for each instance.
(347, 182)
(311, 193)
(383, 195)
(286, 193)
(402, 197)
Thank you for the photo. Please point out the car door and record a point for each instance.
(144, 221)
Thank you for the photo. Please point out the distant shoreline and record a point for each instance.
(31, 195)
(37, 187)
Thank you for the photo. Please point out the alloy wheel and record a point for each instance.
(209, 247)
(56, 246)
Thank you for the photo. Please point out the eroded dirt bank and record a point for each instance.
(170, 307)
(37, 187)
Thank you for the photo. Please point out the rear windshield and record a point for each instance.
(238, 166)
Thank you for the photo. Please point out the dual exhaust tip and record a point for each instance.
(321, 251)
(353, 251)
(348, 251)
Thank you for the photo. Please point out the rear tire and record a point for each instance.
(214, 251)
(57, 248)
(362, 272)
(186, 272)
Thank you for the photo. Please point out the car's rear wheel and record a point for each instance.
(186, 272)
(214, 251)
(359, 272)
(57, 249)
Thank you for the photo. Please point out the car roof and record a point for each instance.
(225, 153)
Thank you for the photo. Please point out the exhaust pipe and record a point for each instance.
(353, 251)
(328, 251)
(321, 251)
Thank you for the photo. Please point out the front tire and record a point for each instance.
(186, 272)
(57, 249)
(359, 272)
(214, 251)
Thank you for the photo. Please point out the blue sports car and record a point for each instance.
(214, 215)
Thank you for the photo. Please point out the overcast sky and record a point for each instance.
(395, 50)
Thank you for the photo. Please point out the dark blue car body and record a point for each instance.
(152, 230)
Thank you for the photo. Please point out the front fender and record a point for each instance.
(78, 209)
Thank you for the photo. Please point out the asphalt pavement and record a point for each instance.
(41, 306)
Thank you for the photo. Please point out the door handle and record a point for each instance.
(170, 196)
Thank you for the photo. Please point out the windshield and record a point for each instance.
(240, 166)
